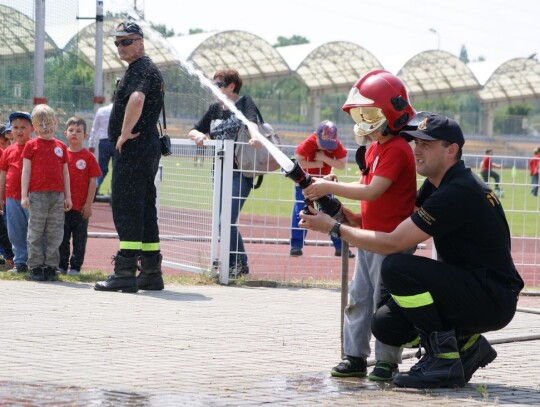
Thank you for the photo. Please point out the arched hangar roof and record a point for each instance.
(514, 81)
(437, 73)
(17, 37)
(330, 67)
(155, 46)
(252, 56)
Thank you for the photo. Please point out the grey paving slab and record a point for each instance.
(65, 344)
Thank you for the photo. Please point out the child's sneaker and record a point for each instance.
(38, 274)
(383, 371)
(19, 268)
(350, 366)
(62, 271)
(50, 273)
(73, 272)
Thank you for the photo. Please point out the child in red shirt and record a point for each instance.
(45, 192)
(83, 172)
(317, 154)
(5, 244)
(20, 124)
(533, 171)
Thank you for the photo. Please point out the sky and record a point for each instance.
(496, 30)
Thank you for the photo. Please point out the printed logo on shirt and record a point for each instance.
(80, 164)
(58, 151)
(426, 217)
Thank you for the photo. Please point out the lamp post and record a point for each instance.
(434, 31)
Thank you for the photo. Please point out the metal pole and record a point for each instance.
(344, 286)
(98, 75)
(39, 54)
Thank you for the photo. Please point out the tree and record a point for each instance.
(463, 55)
(162, 29)
(294, 40)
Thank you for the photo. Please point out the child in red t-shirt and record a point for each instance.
(533, 171)
(83, 172)
(45, 192)
(317, 154)
(20, 124)
(5, 244)
(486, 170)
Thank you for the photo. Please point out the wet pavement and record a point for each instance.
(63, 344)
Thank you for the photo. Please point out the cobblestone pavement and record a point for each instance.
(63, 344)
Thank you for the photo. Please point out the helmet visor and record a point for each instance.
(367, 119)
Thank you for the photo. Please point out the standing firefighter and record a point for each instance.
(138, 101)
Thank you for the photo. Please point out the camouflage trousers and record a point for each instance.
(45, 228)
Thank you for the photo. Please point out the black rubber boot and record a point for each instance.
(151, 278)
(475, 352)
(123, 278)
(439, 367)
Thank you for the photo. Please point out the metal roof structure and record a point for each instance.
(17, 38)
(326, 68)
(437, 73)
(155, 46)
(514, 81)
(252, 57)
(332, 67)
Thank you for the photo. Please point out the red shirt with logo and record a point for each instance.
(48, 158)
(309, 147)
(82, 166)
(12, 163)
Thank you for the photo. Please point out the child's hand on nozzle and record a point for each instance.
(316, 189)
(331, 177)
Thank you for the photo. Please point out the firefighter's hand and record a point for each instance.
(316, 220)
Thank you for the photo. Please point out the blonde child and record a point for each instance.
(45, 192)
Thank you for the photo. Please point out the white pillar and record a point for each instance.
(39, 53)
(98, 75)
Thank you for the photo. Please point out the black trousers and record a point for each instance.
(134, 195)
(5, 244)
(469, 301)
(76, 228)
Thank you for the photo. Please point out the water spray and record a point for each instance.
(291, 169)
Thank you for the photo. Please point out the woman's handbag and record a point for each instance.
(164, 139)
(256, 162)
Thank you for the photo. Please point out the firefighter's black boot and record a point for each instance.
(151, 277)
(475, 352)
(439, 367)
(123, 278)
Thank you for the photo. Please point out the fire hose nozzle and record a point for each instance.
(329, 205)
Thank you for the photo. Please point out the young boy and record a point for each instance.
(317, 154)
(378, 103)
(83, 172)
(45, 192)
(5, 245)
(10, 188)
(5, 142)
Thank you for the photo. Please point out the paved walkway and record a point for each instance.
(64, 344)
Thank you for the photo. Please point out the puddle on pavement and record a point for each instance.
(45, 394)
